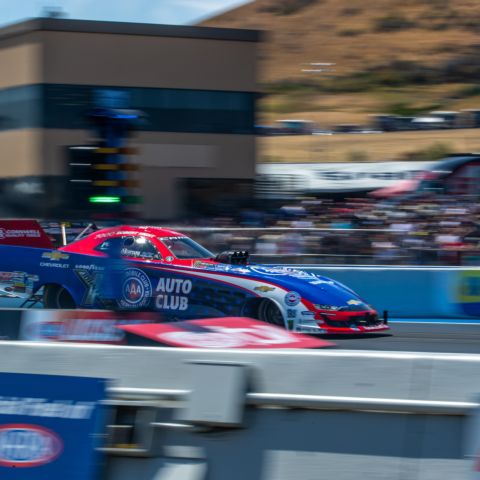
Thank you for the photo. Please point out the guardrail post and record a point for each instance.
(218, 394)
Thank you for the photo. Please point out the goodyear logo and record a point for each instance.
(55, 255)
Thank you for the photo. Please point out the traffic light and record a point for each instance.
(101, 182)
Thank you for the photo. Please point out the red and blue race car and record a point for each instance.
(158, 269)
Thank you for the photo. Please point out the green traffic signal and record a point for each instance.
(104, 199)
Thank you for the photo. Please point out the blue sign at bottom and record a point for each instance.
(50, 426)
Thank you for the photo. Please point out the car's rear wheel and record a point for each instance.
(55, 296)
(269, 312)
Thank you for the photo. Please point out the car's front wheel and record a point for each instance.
(269, 312)
(57, 297)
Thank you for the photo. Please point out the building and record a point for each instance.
(196, 85)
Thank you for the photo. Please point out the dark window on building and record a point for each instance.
(166, 109)
(21, 107)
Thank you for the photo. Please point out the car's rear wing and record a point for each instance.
(24, 233)
(42, 234)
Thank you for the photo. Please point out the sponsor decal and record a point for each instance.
(269, 270)
(240, 270)
(88, 267)
(13, 283)
(170, 259)
(292, 299)
(25, 445)
(126, 252)
(291, 313)
(54, 265)
(177, 237)
(264, 289)
(291, 272)
(307, 329)
(308, 313)
(172, 293)
(123, 233)
(326, 307)
(136, 289)
(354, 302)
(55, 255)
(303, 275)
(13, 233)
(320, 281)
(199, 264)
(374, 327)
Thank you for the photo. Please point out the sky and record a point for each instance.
(175, 12)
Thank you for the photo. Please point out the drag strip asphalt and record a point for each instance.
(417, 337)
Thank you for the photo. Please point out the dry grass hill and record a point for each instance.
(392, 56)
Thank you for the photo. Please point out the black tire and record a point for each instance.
(269, 312)
(57, 297)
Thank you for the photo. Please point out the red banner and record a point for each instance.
(227, 332)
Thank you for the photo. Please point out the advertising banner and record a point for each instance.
(89, 326)
(227, 332)
(338, 177)
(50, 426)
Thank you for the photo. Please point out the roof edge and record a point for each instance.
(129, 28)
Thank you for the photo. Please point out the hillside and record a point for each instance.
(358, 35)
(392, 56)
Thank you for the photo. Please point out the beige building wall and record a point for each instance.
(20, 153)
(148, 61)
(21, 60)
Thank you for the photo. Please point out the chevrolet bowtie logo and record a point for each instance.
(55, 255)
(264, 289)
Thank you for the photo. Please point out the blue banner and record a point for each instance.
(50, 426)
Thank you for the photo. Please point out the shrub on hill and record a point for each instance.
(287, 7)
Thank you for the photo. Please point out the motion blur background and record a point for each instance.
(338, 134)
(289, 113)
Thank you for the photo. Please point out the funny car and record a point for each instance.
(158, 269)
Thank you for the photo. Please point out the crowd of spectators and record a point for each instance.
(433, 230)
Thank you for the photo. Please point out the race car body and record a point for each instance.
(156, 269)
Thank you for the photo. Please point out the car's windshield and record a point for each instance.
(185, 248)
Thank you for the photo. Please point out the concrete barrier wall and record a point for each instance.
(283, 443)
(400, 375)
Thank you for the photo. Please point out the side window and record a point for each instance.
(108, 246)
(139, 247)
